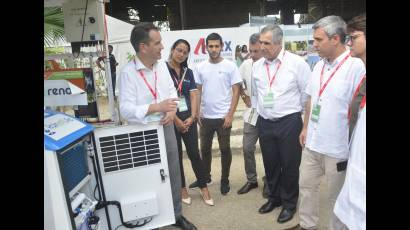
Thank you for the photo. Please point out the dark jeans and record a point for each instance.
(206, 133)
(191, 145)
(114, 80)
(281, 153)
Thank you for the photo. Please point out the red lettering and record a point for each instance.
(201, 44)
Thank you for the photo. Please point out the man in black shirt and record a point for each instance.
(113, 66)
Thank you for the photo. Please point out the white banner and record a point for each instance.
(231, 37)
(297, 39)
(62, 92)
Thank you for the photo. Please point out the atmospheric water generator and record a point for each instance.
(129, 169)
(66, 173)
(134, 172)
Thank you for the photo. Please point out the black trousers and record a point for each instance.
(281, 153)
(114, 81)
(191, 145)
(206, 133)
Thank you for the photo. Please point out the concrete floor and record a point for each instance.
(233, 211)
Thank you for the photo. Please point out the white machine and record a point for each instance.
(134, 172)
(83, 20)
(66, 172)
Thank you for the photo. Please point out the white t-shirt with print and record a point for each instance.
(217, 80)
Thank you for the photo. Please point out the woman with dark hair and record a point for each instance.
(185, 124)
(244, 52)
(238, 55)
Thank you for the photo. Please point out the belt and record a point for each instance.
(279, 118)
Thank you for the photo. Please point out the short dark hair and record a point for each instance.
(357, 23)
(110, 46)
(213, 36)
(140, 34)
(177, 42)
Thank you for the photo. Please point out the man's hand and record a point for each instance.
(168, 105)
(302, 137)
(247, 101)
(168, 118)
(227, 121)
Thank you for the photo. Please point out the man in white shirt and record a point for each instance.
(146, 94)
(325, 131)
(350, 206)
(250, 116)
(218, 82)
(280, 79)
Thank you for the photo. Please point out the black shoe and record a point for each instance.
(286, 215)
(195, 184)
(265, 190)
(247, 187)
(225, 187)
(268, 206)
(184, 224)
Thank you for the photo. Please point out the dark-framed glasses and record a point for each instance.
(352, 37)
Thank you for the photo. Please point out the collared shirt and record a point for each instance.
(350, 206)
(288, 86)
(217, 80)
(135, 96)
(187, 86)
(330, 134)
(249, 115)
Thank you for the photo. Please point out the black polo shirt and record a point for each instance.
(187, 86)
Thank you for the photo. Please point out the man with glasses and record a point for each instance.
(325, 131)
(350, 206)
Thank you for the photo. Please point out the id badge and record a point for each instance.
(155, 117)
(315, 113)
(182, 106)
(268, 100)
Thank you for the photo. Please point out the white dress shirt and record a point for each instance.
(288, 86)
(350, 206)
(217, 80)
(330, 134)
(135, 96)
(249, 115)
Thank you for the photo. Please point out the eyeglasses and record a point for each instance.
(352, 37)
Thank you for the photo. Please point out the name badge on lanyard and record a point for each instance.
(269, 98)
(182, 105)
(316, 107)
(315, 113)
